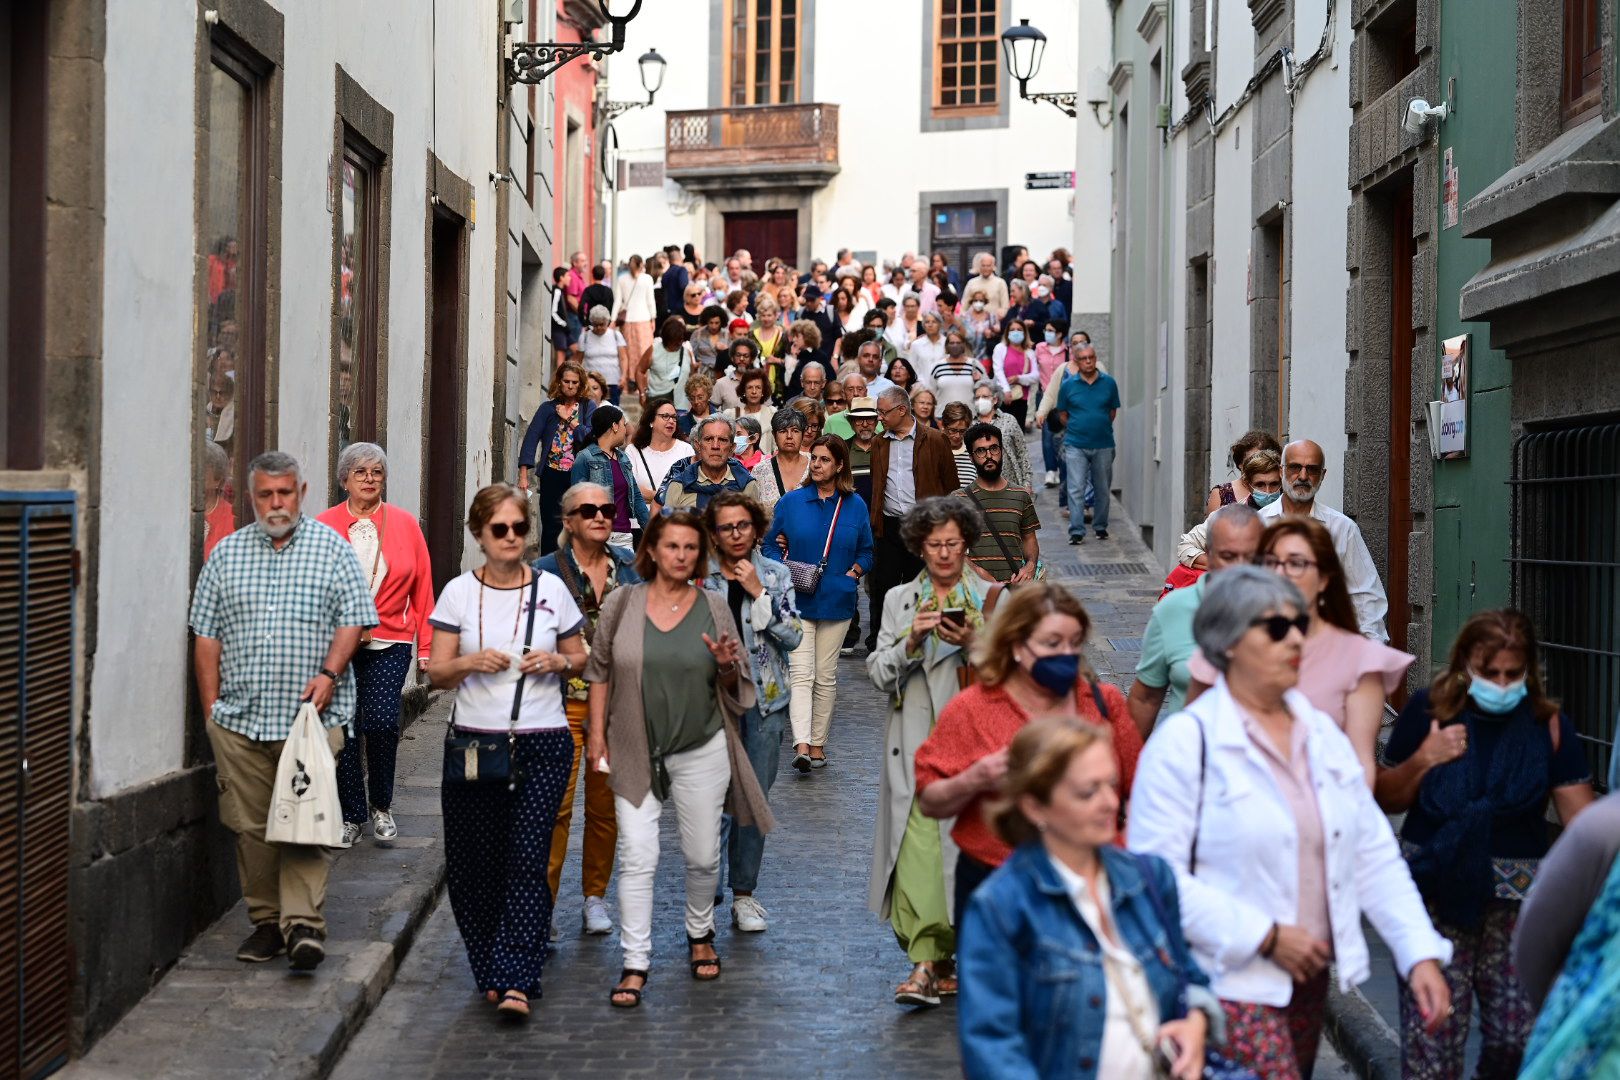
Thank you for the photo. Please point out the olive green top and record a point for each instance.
(677, 691)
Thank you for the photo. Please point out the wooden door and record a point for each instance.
(445, 438)
(1401, 341)
(961, 230)
(766, 234)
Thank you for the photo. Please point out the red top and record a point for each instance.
(221, 522)
(981, 720)
(405, 597)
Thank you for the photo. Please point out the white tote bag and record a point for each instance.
(304, 807)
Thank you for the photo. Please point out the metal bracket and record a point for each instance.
(536, 61)
(612, 110)
(1067, 102)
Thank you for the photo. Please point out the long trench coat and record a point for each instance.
(919, 689)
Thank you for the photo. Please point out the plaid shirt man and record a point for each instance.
(274, 614)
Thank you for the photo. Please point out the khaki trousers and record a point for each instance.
(813, 677)
(601, 827)
(282, 883)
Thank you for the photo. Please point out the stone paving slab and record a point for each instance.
(212, 1016)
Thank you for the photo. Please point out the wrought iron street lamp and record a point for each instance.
(1022, 47)
(535, 61)
(652, 79)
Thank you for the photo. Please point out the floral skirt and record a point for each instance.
(1278, 1043)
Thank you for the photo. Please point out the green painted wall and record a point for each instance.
(1471, 496)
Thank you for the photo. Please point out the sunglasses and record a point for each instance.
(591, 510)
(1277, 626)
(499, 529)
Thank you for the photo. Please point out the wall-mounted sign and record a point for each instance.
(1037, 181)
(1448, 217)
(1454, 375)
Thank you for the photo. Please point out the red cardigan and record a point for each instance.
(983, 719)
(405, 599)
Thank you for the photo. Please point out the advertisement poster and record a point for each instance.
(1454, 398)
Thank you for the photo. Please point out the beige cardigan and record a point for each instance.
(616, 659)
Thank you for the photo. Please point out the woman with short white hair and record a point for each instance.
(606, 353)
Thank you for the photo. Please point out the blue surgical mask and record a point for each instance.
(1494, 698)
(740, 443)
(1051, 338)
(1015, 337)
(1264, 498)
(1057, 674)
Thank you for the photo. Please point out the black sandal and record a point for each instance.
(714, 961)
(634, 992)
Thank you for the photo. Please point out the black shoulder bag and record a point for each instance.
(483, 757)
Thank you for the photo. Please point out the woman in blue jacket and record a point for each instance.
(552, 434)
(1071, 956)
(603, 462)
(823, 524)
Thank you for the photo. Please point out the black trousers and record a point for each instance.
(553, 484)
(970, 874)
(892, 565)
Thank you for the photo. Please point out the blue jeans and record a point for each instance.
(1049, 448)
(745, 845)
(1094, 466)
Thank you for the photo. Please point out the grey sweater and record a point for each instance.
(1567, 883)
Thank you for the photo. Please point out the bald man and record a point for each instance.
(1304, 469)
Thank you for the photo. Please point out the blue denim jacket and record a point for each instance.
(594, 465)
(1033, 990)
(768, 649)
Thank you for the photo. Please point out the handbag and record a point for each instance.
(483, 757)
(304, 807)
(807, 576)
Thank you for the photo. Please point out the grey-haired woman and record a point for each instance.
(605, 352)
(786, 469)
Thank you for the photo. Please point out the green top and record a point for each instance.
(677, 690)
(1009, 514)
(1167, 643)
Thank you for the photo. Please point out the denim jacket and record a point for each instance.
(594, 465)
(1033, 988)
(565, 565)
(767, 646)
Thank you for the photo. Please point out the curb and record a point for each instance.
(1362, 1037)
(212, 1015)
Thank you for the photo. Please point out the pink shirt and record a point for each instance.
(1049, 360)
(1330, 667)
(1293, 776)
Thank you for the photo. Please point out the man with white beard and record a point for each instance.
(1304, 469)
(278, 611)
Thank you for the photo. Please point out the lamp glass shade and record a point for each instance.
(1022, 47)
(619, 10)
(652, 71)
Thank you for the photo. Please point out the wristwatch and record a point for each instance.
(329, 673)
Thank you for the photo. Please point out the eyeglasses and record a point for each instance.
(671, 415)
(1293, 566)
(734, 528)
(591, 510)
(984, 451)
(499, 529)
(943, 547)
(1293, 467)
(1277, 626)
(368, 474)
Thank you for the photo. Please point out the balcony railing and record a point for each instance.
(751, 136)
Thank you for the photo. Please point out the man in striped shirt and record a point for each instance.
(1008, 549)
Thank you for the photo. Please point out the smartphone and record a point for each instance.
(956, 616)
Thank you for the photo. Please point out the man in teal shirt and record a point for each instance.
(1086, 406)
(1167, 644)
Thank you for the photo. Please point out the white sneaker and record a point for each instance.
(1051, 478)
(351, 833)
(747, 914)
(553, 933)
(596, 917)
(383, 829)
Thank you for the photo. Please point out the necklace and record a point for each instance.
(515, 618)
(675, 606)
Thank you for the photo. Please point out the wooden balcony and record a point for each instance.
(752, 146)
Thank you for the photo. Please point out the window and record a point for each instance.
(966, 61)
(354, 408)
(1582, 89)
(762, 50)
(231, 408)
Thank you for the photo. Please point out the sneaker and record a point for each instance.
(264, 944)
(596, 918)
(1102, 534)
(383, 829)
(1051, 478)
(305, 949)
(552, 935)
(1075, 541)
(846, 650)
(351, 833)
(748, 915)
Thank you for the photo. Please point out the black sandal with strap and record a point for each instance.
(633, 992)
(714, 961)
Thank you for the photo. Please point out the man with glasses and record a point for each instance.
(909, 463)
(1008, 549)
(1304, 469)
(1086, 406)
(1167, 643)
(715, 468)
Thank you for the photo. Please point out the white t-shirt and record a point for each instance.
(602, 353)
(368, 548)
(484, 702)
(651, 466)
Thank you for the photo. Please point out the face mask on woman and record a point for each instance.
(978, 305)
(1015, 337)
(1494, 698)
(1051, 337)
(955, 349)
(984, 406)
(1264, 499)
(740, 444)
(1056, 674)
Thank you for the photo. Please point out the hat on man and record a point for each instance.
(863, 408)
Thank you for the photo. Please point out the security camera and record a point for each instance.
(1418, 112)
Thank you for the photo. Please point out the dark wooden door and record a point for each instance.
(959, 230)
(767, 234)
(1401, 341)
(445, 438)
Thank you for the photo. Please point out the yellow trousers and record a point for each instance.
(601, 827)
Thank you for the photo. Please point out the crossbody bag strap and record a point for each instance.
(781, 488)
(528, 636)
(826, 549)
(1006, 553)
(1178, 956)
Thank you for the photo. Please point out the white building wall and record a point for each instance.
(1229, 339)
(138, 694)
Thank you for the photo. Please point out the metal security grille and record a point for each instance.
(1062, 570)
(1566, 571)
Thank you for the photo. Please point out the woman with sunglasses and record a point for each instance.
(1257, 801)
(504, 636)
(656, 449)
(603, 462)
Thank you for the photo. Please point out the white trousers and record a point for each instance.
(698, 780)
(813, 671)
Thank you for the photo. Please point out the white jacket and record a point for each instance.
(1248, 848)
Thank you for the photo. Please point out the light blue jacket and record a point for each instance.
(770, 630)
(595, 465)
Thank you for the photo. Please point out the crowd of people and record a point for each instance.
(1142, 884)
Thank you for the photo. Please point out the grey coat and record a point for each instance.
(616, 659)
(919, 689)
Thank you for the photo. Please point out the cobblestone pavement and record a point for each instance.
(810, 997)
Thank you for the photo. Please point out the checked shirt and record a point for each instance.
(275, 613)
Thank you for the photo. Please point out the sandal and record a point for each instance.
(945, 980)
(514, 1003)
(918, 989)
(633, 992)
(711, 962)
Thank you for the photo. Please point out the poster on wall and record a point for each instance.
(1454, 375)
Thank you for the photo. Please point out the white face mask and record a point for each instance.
(984, 406)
